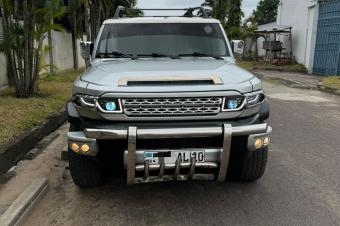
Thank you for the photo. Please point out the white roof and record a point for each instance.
(128, 20)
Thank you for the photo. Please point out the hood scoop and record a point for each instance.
(172, 80)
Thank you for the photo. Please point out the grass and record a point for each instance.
(21, 114)
(332, 82)
(253, 65)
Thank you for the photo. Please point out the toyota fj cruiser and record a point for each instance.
(162, 99)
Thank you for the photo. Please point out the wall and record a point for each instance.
(62, 50)
(302, 16)
(3, 71)
(3, 64)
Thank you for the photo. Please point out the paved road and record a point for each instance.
(301, 185)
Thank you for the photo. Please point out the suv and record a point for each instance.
(162, 99)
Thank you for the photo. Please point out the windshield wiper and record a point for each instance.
(197, 54)
(115, 54)
(158, 55)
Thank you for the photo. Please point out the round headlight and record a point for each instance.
(232, 104)
(110, 106)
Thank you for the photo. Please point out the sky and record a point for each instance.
(247, 5)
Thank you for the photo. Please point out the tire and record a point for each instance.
(85, 171)
(254, 165)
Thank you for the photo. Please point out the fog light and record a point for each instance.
(258, 143)
(266, 141)
(85, 148)
(74, 147)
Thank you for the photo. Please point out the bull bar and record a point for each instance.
(132, 134)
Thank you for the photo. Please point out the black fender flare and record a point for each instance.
(72, 114)
(264, 111)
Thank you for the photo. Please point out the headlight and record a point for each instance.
(255, 98)
(105, 105)
(85, 100)
(110, 105)
(233, 103)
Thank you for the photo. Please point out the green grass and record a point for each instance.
(257, 65)
(332, 82)
(21, 114)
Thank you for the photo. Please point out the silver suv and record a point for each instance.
(162, 99)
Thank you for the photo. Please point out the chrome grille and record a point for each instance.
(172, 106)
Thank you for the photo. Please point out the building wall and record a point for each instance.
(302, 16)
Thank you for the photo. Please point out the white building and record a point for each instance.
(315, 33)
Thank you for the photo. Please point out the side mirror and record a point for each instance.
(237, 46)
(86, 49)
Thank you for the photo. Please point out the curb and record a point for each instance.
(26, 201)
(328, 90)
(15, 151)
(289, 83)
(281, 70)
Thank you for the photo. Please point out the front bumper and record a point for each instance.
(217, 158)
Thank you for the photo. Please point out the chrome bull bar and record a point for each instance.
(173, 133)
(227, 131)
(132, 134)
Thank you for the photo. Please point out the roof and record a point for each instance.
(160, 20)
(275, 29)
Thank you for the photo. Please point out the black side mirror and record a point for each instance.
(86, 49)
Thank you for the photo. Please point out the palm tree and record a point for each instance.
(23, 41)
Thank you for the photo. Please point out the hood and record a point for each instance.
(106, 75)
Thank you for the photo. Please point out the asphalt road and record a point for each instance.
(301, 185)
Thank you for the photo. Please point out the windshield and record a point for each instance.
(162, 40)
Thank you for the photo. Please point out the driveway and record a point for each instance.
(301, 185)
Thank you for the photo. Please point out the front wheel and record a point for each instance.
(254, 165)
(85, 171)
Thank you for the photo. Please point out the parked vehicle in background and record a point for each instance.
(164, 100)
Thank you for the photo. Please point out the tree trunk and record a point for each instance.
(75, 52)
(26, 80)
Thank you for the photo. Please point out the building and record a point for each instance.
(315, 33)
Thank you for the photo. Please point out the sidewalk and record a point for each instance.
(291, 79)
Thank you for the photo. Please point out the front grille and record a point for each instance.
(172, 106)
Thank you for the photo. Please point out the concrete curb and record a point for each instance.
(281, 70)
(26, 201)
(11, 153)
(328, 90)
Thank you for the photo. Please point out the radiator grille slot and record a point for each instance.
(172, 106)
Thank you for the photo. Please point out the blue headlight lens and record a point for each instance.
(232, 104)
(110, 106)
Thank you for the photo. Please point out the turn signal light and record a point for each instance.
(85, 148)
(74, 147)
(266, 141)
(258, 143)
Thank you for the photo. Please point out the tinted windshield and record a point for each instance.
(166, 39)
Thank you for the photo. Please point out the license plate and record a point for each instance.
(172, 156)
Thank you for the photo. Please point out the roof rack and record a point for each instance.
(123, 12)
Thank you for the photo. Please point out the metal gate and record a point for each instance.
(327, 48)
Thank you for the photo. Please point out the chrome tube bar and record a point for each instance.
(131, 164)
(227, 135)
(104, 134)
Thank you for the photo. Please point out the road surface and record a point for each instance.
(301, 185)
